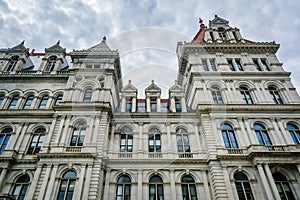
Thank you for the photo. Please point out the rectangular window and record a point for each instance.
(239, 65)
(265, 64)
(257, 65)
(164, 107)
(153, 105)
(212, 36)
(4, 138)
(235, 36)
(213, 64)
(141, 107)
(178, 105)
(128, 104)
(230, 64)
(204, 64)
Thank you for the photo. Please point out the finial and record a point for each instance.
(200, 21)
(58, 42)
(104, 38)
(152, 81)
(129, 81)
(23, 42)
(216, 16)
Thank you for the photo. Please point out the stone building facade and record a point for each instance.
(229, 128)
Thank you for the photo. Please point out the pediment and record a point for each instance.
(20, 48)
(153, 88)
(129, 88)
(55, 49)
(176, 88)
(218, 21)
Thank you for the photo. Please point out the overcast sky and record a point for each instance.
(146, 31)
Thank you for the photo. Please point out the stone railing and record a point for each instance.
(155, 155)
(124, 155)
(74, 149)
(185, 155)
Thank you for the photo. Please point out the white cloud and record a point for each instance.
(81, 24)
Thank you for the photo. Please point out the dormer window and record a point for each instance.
(128, 104)
(50, 64)
(177, 105)
(222, 34)
(153, 105)
(12, 63)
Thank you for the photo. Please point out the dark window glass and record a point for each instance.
(50, 64)
(67, 185)
(2, 96)
(183, 144)
(43, 102)
(246, 95)
(153, 104)
(216, 95)
(20, 187)
(239, 65)
(178, 105)
(126, 143)
(212, 36)
(283, 186)
(222, 34)
(230, 64)
(123, 188)
(4, 138)
(294, 132)
(78, 135)
(265, 64)
(262, 134)
(28, 102)
(188, 187)
(204, 64)
(12, 63)
(243, 186)
(141, 107)
(275, 95)
(229, 136)
(164, 107)
(58, 100)
(213, 64)
(156, 191)
(129, 104)
(13, 102)
(88, 95)
(257, 65)
(37, 141)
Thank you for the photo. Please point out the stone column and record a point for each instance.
(277, 133)
(264, 181)
(79, 185)
(88, 176)
(172, 105)
(250, 132)
(133, 109)
(2, 177)
(34, 182)
(140, 184)
(205, 183)
(123, 104)
(107, 182)
(49, 102)
(140, 140)
(112, 138)
(16, 145)
(197, 138)
(173, 186)
(244, 132)
(158, 108)
(65, 131)
(45, 182)
(298, 167)
(183, 105)
(50, 133)
(60, 129)
(272, 182)
(227, 182)
(148, 109)
(50, 188)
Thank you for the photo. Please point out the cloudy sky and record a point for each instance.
(146, 31)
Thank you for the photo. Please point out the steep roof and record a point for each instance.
(102, 46)
(152, 88)
(129, 87)
(218, 21)
(20, 48)
(56, 49)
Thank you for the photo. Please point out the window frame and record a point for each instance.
(183, 141)
(29, 99)
(78, 134)
(123, 185)
(126, 140)
(40, 134)
(43, 102)
(4, 138)
(21, 193)
(204, 64)
(246, 95)
(155, 137)
(294, 132)
(229, 136)
(13, 102)
(156, 186)
(217, 95)
(262, 135)
(243, 187)
(58, 99)
(275, 95)
(283, 185)
(188, 186)
(70, 182)
(50, 65)
(88, 95)
(12, 63)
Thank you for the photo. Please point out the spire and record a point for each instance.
(199, 37)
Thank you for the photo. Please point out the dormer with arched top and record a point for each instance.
(16, 59)
(129, 98)
(152, 93)
(54, 59)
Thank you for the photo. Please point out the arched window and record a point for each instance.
(275, 95)
(246, 95)
(13, 102)
(20, 187)
(183, 144)
(295, 132)
(4, 138)
(283, 186)
(28, 102)
(123, 188)
(58, 100)
(12, 63)
(156, 188)
(262, 134)
(43, 102)
(242, 185)
(216, 95)
(37, 141)
(188, 187)
(67, 185)
(229, 136)
(222, 34)
(88, 95)
(154, 140)
(126, 143)
(78, 134)
(50, 64)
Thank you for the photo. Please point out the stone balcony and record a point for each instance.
(254, 150)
